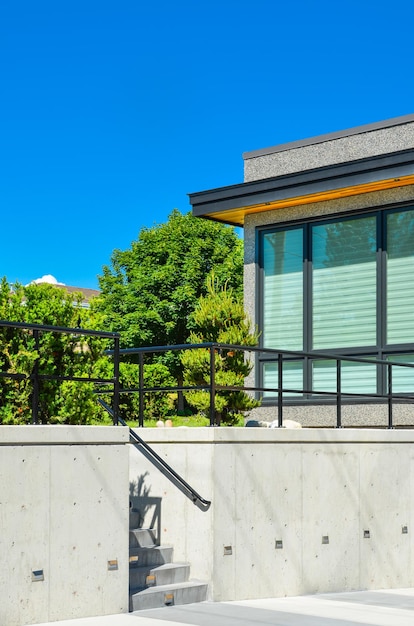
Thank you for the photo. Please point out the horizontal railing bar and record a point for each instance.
(14, 376)
(181, 346)
(162, 389)
(59, 329)
(80, 379)
(256, 349)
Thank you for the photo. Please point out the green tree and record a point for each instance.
(57, 355)
(149, 291)
(219, 317)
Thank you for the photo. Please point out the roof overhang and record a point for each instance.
(231, 204)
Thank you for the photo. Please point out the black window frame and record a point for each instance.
(381, 350)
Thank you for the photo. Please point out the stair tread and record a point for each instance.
(162, 566)
(149, 563)
(156, 545)
(171, 587)
(164, 546)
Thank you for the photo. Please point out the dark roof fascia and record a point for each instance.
(318, 180)
(310, 141)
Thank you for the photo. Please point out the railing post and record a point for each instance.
(35, 381)
(213, 387)
(280, 390)
(141, 388)
(338, 395)
(389, 368)
(115, 399)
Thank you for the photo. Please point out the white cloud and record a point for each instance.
(47, 278)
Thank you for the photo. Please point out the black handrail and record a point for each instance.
(36, 377)
(160, 464)
(59, 329)
(211, 386)
(273, 355)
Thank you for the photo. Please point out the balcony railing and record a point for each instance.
(280, 394)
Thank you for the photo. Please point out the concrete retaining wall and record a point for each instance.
(293, 511)
(63, 522)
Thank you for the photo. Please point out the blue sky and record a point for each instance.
(112, 111)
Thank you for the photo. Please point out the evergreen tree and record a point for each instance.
(219, 317)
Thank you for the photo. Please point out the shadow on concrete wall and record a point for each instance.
(146, 507)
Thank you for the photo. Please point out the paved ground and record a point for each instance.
(374, 608)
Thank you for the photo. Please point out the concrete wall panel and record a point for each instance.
(24, 534)
(289, 508)
(64, 513)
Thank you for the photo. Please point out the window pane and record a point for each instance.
(355, 377)
(400, 273)
(344, 284)
(283, 290)
(402, 377)
(292, 377)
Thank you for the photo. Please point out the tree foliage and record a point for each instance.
(150, 290)
(57, 355)
(219, 317)
(148, 294)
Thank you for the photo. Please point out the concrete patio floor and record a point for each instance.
(387, 607)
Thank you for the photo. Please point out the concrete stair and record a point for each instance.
(154, 580)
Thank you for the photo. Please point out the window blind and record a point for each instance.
(283, 290)
(344, 284)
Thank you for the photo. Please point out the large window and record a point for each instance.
(344, 277)
(343, 286)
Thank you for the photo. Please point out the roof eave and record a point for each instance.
(231, 204)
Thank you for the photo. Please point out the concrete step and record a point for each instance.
(168, 574)
(169, 595)
(155, 555)
(142, 538)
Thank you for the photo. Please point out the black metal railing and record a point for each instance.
(35, 377)
(282, 393)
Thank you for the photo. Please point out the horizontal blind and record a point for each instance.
(355, 377)
(400, 277)
(283, 290)
(402, 377)
(292, 378)
(344, 284)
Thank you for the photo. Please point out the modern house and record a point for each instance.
(329, 259)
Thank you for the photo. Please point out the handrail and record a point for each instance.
(211, 386)
(277, 356)
(160, 464)
(35, 377)
(59, 329)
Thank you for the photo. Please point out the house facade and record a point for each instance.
(329, 259)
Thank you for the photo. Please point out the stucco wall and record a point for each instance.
(64, 514)
(328, 150)
(302, 488)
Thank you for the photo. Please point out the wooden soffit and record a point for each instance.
(237, 216)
